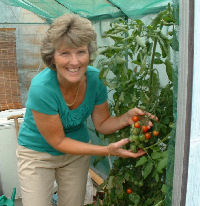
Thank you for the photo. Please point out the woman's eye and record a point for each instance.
(82, 52)
(64, 53)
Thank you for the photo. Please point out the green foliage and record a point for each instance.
(130, 68)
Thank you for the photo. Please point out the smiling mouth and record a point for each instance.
(73, 70)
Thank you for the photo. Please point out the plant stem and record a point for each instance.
(159, 203)
(163, 140)
(152, 62)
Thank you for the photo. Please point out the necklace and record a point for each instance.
(69, 105)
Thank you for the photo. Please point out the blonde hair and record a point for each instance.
(69, 29)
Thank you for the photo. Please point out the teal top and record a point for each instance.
(45, 96)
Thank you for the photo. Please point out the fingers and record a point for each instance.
(117, 150)
(140, 152)
(114, 148)
(143, 116)
(151, 116)
(122, 142)
(129, 154)
(138, 111)
(150, 124)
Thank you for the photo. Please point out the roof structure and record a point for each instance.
(92, 9)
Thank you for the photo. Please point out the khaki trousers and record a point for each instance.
(38, 170)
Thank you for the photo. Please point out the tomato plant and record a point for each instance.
(147, 48)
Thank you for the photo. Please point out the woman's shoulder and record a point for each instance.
(45, 77)
(91, 69)
(92, 73)
(93, 78)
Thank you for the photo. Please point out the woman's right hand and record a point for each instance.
(115, 149)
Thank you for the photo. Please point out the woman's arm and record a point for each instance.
(106, 124)
(51, 128)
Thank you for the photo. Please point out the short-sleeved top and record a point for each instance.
(45, 96)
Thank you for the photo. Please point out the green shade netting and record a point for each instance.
(135, 8)
(93, 9)
(41, 8)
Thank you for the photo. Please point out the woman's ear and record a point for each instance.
(53, 61)
(53, 64)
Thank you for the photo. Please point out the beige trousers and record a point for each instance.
(38, 170)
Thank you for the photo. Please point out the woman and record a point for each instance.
(53, 141)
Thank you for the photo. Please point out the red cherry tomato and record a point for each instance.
(145, 128)
(129, 191)
(147, 135)
(135, 118)
(137, 125)
(155, 133)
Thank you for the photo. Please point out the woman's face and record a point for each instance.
(71, 63)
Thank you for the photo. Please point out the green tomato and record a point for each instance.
(142, 138)
(135, 131)
(133, 148)
(140, 183)
(137, 142)
(131, 138)
(141, 145)
(135, 138)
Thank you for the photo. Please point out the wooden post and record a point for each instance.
(15, 117)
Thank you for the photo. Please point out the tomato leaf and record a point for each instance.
(157, 177)
(147, 169)
(174, 42)
(141, 161)
(168, 65)
(164, 188)
(162, 164)
(156, 155)
(163, 48)
(158, 61)
(134, 198)
(110, 183)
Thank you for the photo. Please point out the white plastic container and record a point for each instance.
(8, 161)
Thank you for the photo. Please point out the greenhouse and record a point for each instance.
(147, 57)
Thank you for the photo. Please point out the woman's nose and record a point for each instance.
(74, 59)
